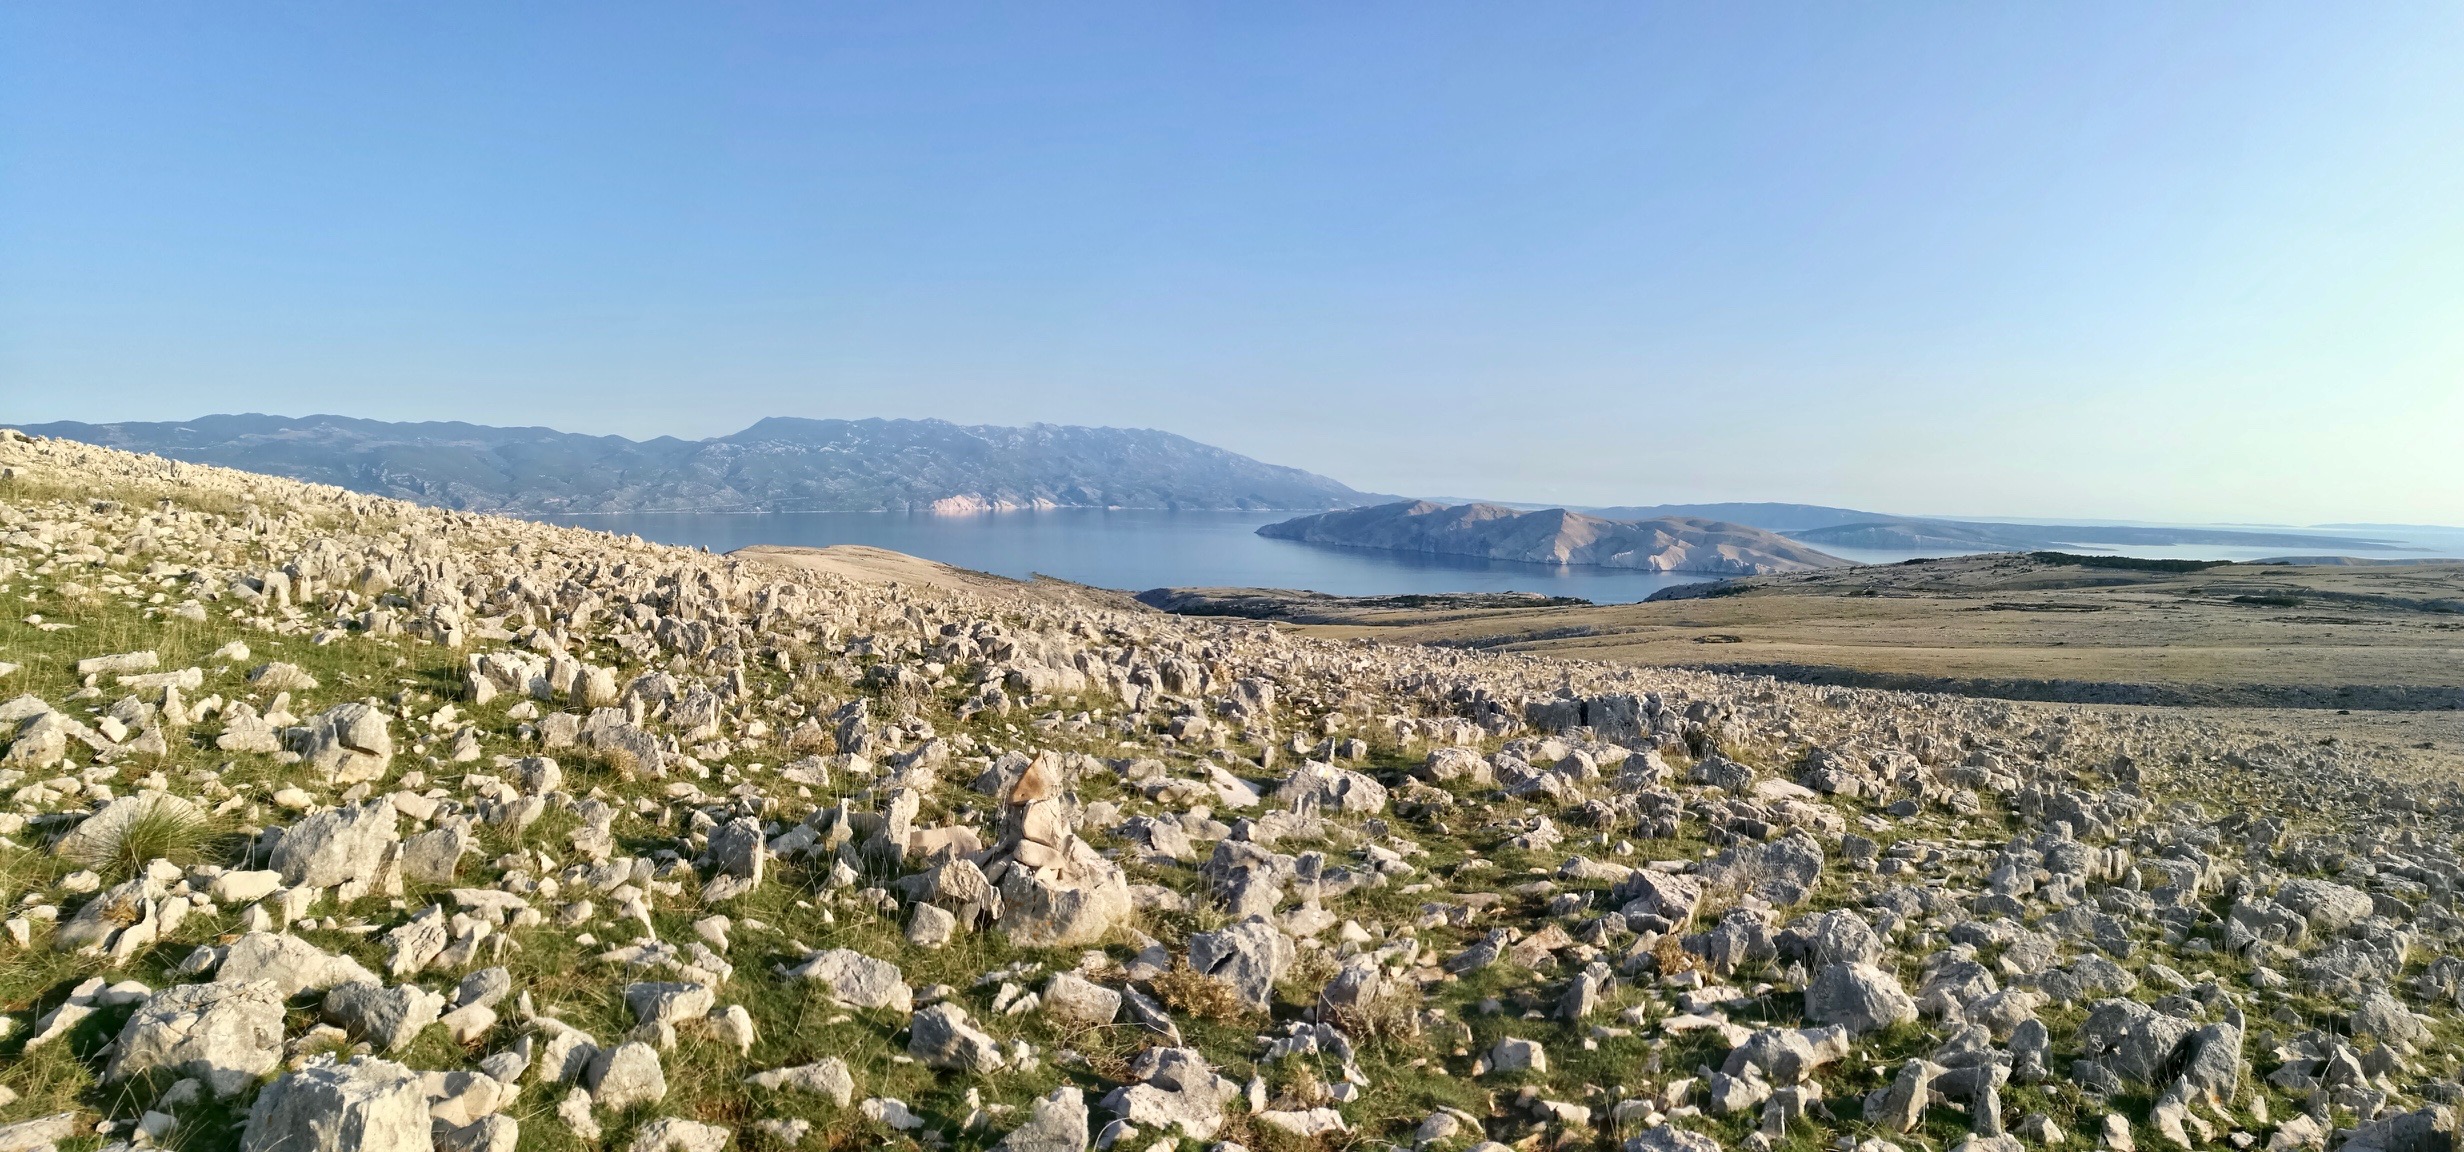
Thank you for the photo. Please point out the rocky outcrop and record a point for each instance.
(366, 1105)
(1557, 536)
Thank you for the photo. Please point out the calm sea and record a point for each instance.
(1137, 550)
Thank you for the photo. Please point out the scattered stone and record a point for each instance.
(367, 1105)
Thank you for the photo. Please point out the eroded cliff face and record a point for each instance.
(355, 823)
(1557, 536)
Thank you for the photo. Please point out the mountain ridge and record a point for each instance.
(777, 464)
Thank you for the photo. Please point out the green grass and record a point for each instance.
(161, 831)
(2124, 563)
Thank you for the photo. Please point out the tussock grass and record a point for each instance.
(1190, 992)
(162, 830)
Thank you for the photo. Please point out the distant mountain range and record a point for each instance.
(1557, 536)
(777, 465)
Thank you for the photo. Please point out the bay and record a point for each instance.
(1137, 549)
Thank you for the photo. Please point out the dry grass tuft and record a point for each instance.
(1391, 1015)
(1672, 957)
(1190, 992)
(163, 830)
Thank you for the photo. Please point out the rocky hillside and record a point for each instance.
(777, 465)
(1557, 536)
(335, 822)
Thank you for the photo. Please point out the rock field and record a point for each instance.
(335, 822)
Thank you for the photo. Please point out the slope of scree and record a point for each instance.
(336, 822)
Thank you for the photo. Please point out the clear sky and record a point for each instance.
(2185, 261)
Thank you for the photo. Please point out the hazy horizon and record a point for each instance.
(2199, 264)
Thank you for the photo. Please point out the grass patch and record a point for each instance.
(2124, 563)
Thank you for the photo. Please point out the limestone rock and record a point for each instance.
(828, 1077)
(1250, 956)
(226, 1034)
(857, 979)
(349, 743)
(1858, 997)
(338, 845)
(1173, 1088)
(1072, 1000)
(672, 1134)
(367, 1105)
(1057, 1123)
(941, 1037)
(389, 1018)
(291, 964)
(626, 1075)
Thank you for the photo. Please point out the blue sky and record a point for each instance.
(2183, 261)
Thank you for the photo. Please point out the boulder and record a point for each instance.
(826, 1078)
(1173, 1088)
(349, 743)
(244, 887)
(1839, 936)
(39, 1133)
(738, 849)
(1456, 764)
(1250, 956)
(291, 964)
(672, 1134)
(1056, 1123)
(1858, 997)
(941, 1037)
(225, 1034)
(1076, 904)
(1512, 1054)
(2135, 1041)
(367, 1105)
(1787, 1055)
(278, 676)
(497, 1133)
(931, 926)
(2330, 907)
(338, 845)
(433, 856)
(389, 1018)
(1075, 1001)
(1318, 786)
(626, 1075)
(2386, 1017)
(1664, 1138)
(857, 979)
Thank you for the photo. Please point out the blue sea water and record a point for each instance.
(1135, 550)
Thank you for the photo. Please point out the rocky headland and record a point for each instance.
(1557, 536)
